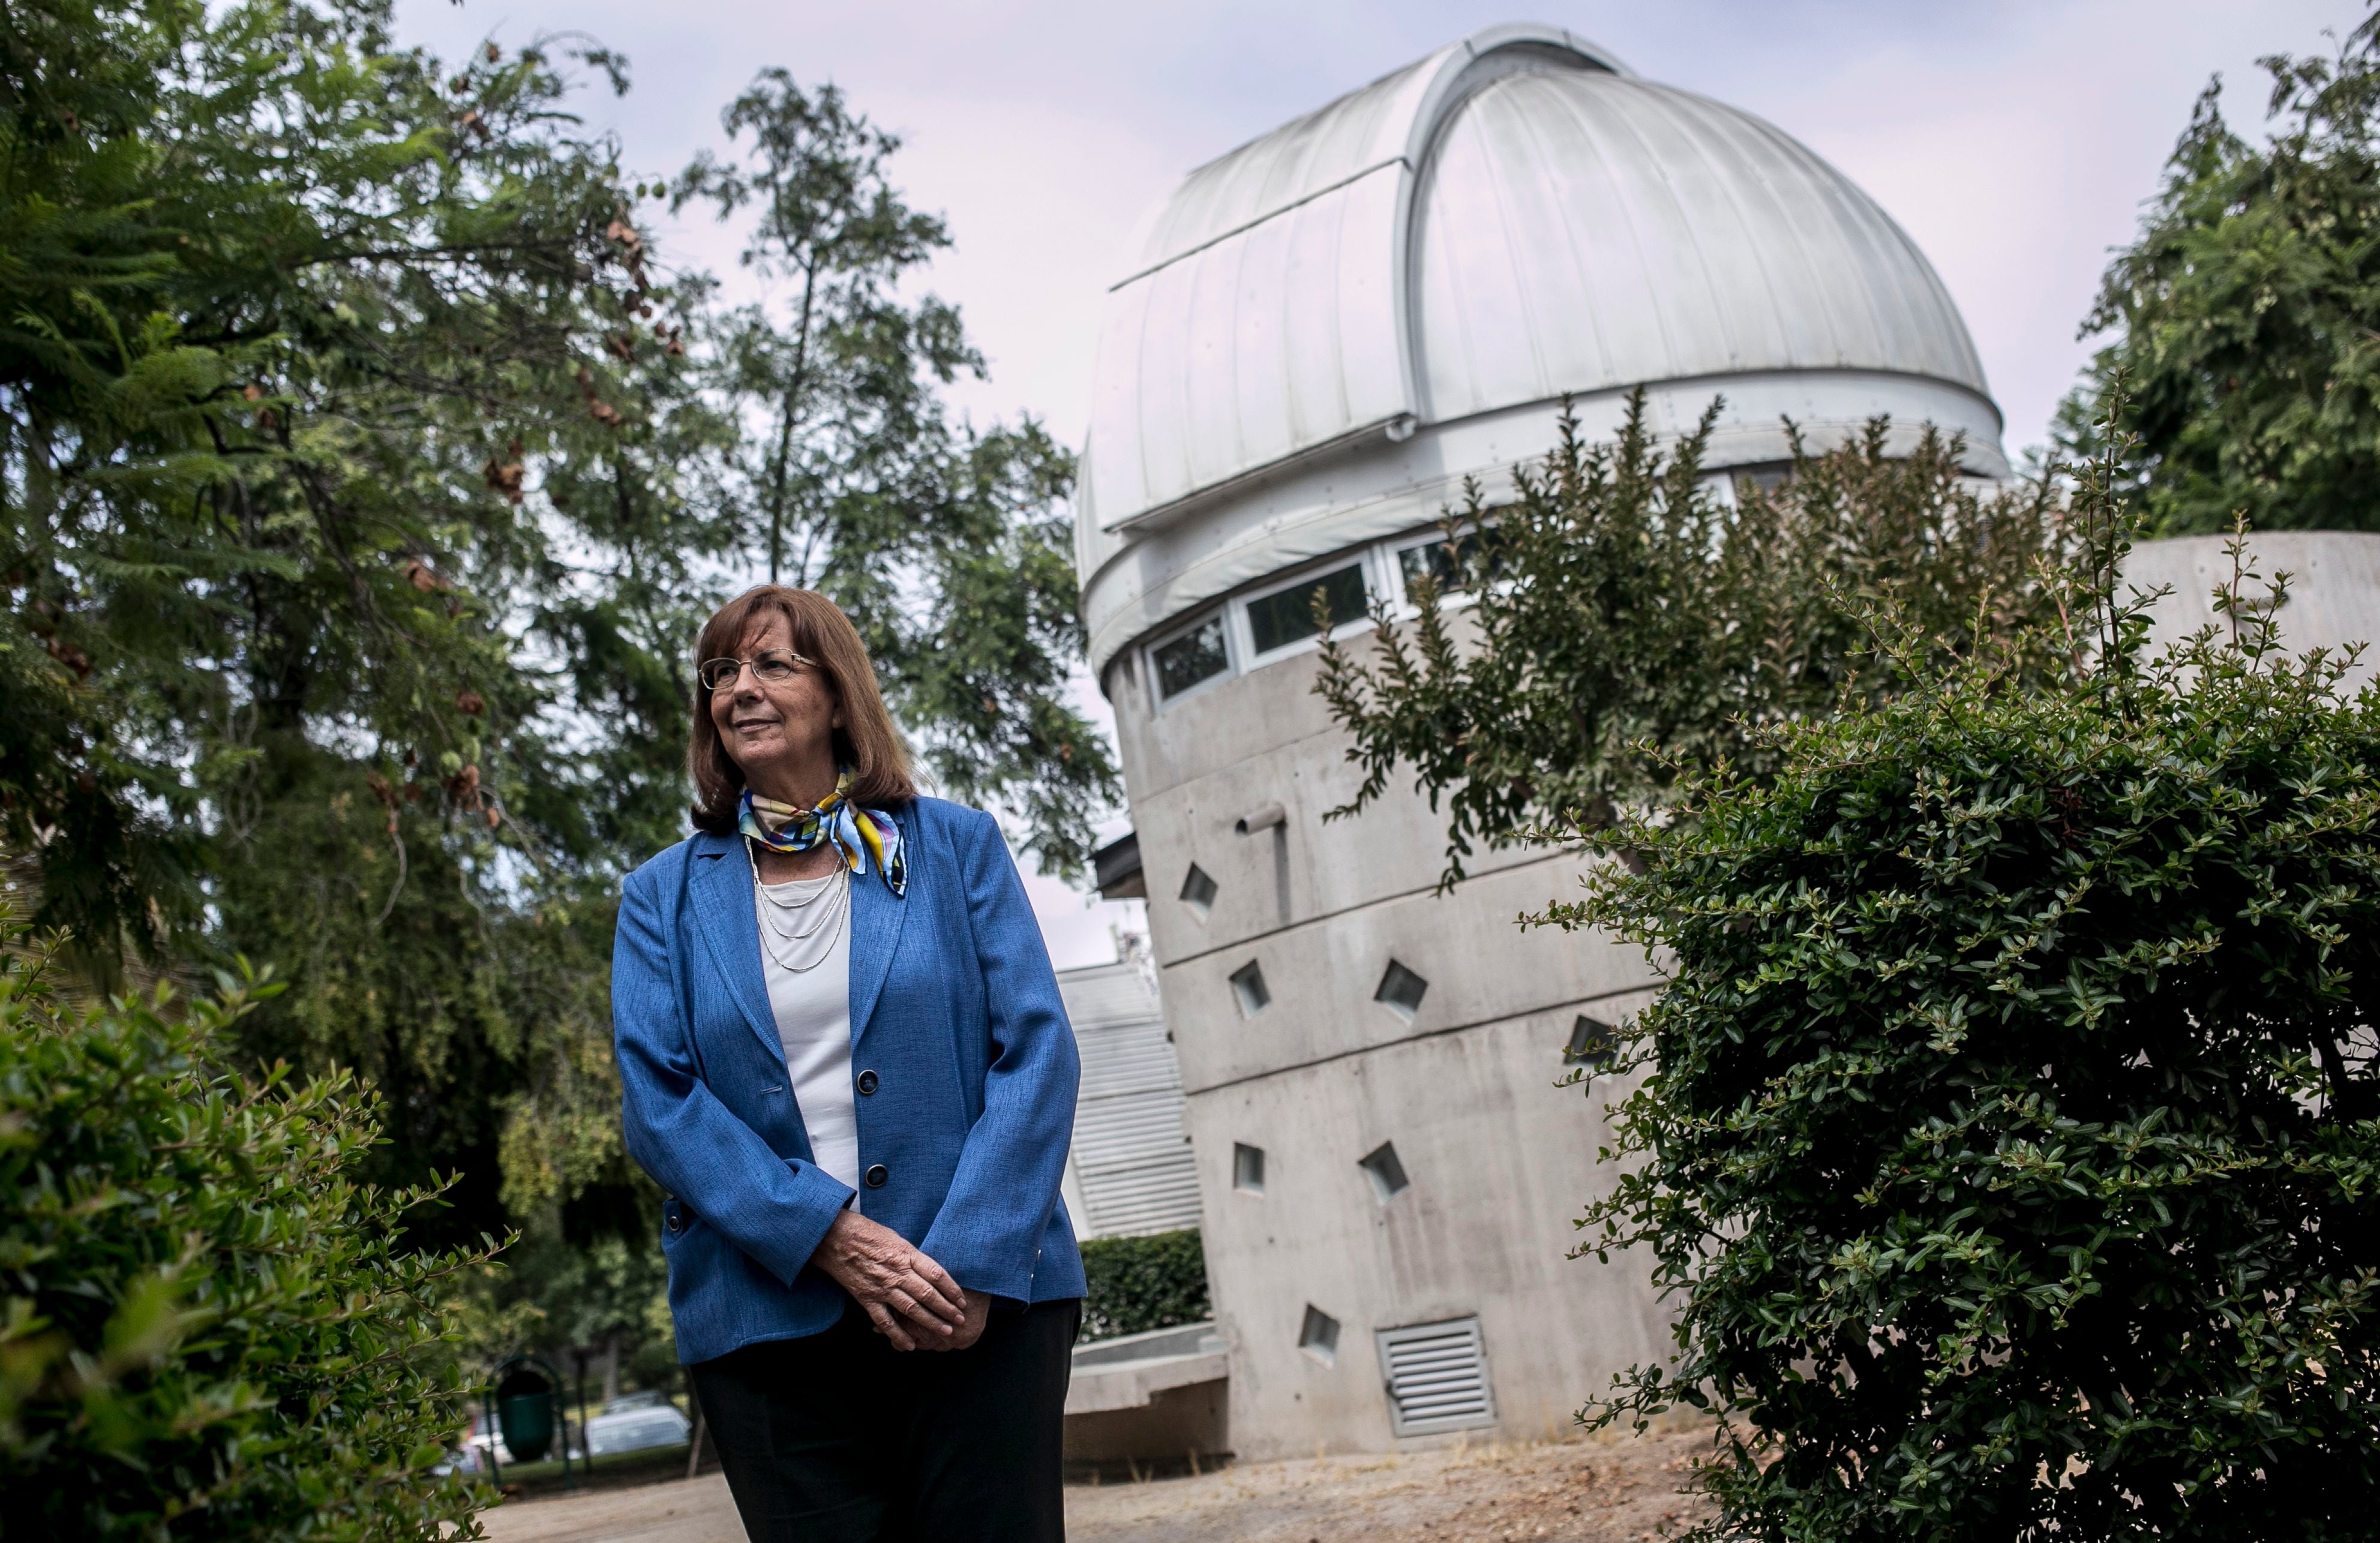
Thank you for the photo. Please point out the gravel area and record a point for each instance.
(1619, 1490)
(1587, 1492)
(675, 1510)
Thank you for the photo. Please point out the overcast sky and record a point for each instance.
(2014, 141)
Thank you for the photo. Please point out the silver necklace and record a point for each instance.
(802, 943)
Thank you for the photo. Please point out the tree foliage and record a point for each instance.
(289, 315)
(364, 477)
(208, 1328)
(2008, 1134)
(1622, 614)
(2245, 316)
(949, 546)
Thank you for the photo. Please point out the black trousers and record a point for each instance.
(838, 1438)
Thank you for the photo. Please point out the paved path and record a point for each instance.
(1620, 1491)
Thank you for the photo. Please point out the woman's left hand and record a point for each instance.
(966, 1330)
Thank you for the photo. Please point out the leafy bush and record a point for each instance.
(1138, 1283)
(207, 1327)
(1616, 600)
(2008, 1135)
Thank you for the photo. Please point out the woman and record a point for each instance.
(842, 1054)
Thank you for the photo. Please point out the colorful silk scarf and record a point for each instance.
(858, 834)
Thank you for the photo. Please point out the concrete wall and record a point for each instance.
(2334, 590)
(1148, 1402)
(1178, 1430)
(1500, 1160)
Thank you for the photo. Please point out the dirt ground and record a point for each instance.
(1624, 1491)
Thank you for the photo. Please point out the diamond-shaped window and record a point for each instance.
(1248, 989)
(1198, 892)
(1388, 1174)
(1400, 991)
(1318, 1335)
(1247, 1167)
(1590, 1044)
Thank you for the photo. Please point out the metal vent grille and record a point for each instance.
(1437, 1378)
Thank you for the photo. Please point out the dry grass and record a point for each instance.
(1584, 1491)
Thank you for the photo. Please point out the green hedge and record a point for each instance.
(2011, 1136)
(1139, 1283)
(208, 1330)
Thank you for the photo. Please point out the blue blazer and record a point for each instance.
(954, 1009)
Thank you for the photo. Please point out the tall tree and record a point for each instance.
(362, 478)
(949, 545)
(292, 318)
(2243, 321)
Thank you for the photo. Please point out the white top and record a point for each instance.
(806, 954)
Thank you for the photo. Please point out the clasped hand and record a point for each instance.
(911, 1300)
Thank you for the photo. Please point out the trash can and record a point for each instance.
(525, 1413)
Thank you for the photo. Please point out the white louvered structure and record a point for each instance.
(1437, 1376)
(1131, 1168)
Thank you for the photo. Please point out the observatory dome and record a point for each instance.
(1320, 334)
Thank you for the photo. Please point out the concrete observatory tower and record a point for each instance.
(1320, 337)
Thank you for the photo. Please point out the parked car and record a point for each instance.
(651, 1398)
(637, 1430)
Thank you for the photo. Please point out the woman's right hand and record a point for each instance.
(909, 1297)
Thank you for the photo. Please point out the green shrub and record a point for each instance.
(2007, 1135)
(1138, 1283)
(207, 1328)
(1622, 612)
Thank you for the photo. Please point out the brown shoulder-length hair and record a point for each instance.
(868, 743)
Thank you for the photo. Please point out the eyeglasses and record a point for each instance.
(770, 667)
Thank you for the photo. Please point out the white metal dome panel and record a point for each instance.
(1326, 332)
(1265, 315)
(1576, 232)
(1293, 163)
(1256, 347)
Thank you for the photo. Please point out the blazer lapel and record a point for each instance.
(723, 907)
(876, 916)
